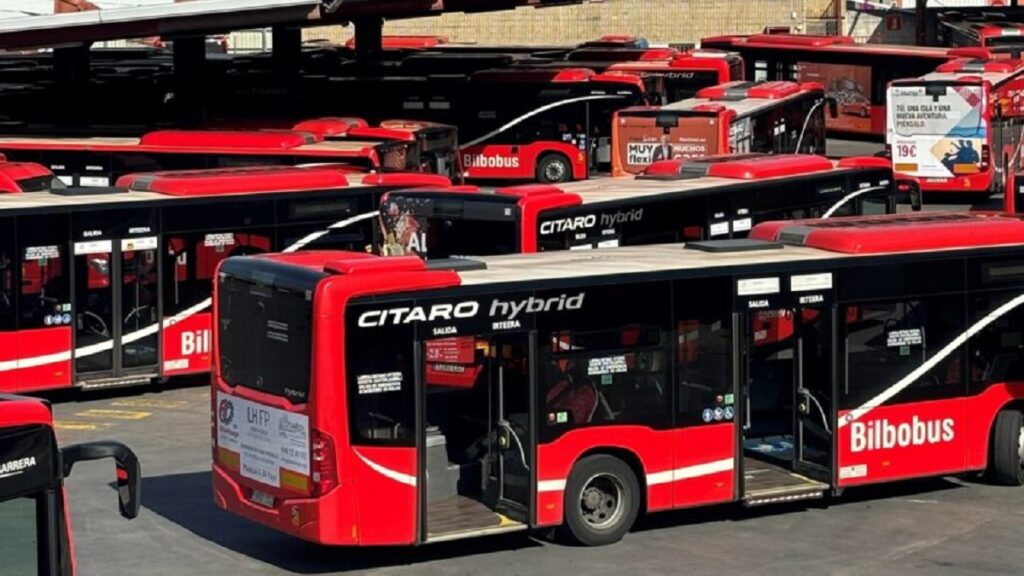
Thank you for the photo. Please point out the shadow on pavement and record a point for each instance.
(186, 500)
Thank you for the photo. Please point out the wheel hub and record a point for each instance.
(600, 501)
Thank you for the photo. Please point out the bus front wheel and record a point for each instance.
(1008, 448)
(554, 169)
(602, 499)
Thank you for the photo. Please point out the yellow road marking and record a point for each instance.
(76, 425)
(149, 403)
(116, 414)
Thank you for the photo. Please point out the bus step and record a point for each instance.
(133, 380)
(779, 496)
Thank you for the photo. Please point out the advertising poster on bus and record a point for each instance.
(936, 135)
(640, 141)
(850, 86)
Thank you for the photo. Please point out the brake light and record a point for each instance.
(323, 463)
(986, 156)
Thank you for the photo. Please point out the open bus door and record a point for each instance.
(476, 435)
(786, 392)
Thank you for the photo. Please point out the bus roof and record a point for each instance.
(169, 186)
(692, 60)
(967, 70)
(687, 177)
(21, 411)
(741, 97)
(834, 239)
(838, 44)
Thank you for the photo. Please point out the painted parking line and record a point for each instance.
(79, 425)
(115, 414)
(148, 403)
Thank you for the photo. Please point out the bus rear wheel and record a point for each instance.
(554, 169)
(602, 499)
(1008, 448)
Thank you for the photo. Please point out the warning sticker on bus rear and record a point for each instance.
(269, 441)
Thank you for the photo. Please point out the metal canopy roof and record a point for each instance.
(213, 16)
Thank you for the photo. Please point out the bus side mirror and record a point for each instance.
(833, 107)
(129, 471)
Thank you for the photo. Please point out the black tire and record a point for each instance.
(602, 499)
(1007, 462)
(554, 169)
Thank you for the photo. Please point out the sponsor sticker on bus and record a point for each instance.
(937, 133)
(272, 444)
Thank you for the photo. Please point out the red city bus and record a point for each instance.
(985, 30)
(675, 201)
(535, 124)
(856, 75)
(958, 129)
(111, 286)
(588, 407)
(100, 161)
(736, 117)
(34, 517)
(688, 72)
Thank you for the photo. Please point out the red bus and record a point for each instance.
(546, 125)
(855, 75)
(606, 385)
(958, 129)
(736, 117)
(675, 201)
(34, 517)
(993, 31)
(100, 161)
(683, 76)
(111, 286)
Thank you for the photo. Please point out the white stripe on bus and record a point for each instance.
(939, 356)
(387, 472)
(847, 198)
(533, 113)
(653, 479)
(84, 351)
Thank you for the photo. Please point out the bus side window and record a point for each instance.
(885, 341)
(996, 354)
(703, 349)
(617, 375)
(190, 261)
(8, 263)
(45, 286)
(381, 386)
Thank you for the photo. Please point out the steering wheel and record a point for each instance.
(93, 323)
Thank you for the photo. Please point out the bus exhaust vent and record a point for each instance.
(88, 191)
(733, 245)
(456, 264)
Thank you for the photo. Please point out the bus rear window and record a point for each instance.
(434, 228)
(265, 336)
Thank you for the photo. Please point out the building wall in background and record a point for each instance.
(660, 21)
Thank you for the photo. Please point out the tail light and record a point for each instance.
(323, 463)
(986, 156)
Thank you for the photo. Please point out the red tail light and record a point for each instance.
(986, 156)
(323, 465)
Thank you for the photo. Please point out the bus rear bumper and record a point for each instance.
(975, 183)
(299, 517)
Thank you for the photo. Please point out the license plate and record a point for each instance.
(262, 498)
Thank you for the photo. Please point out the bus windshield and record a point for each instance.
(447, 227)
(20, 545)
(937, 130)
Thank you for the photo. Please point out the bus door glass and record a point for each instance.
(116, 300)
(477, 432)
